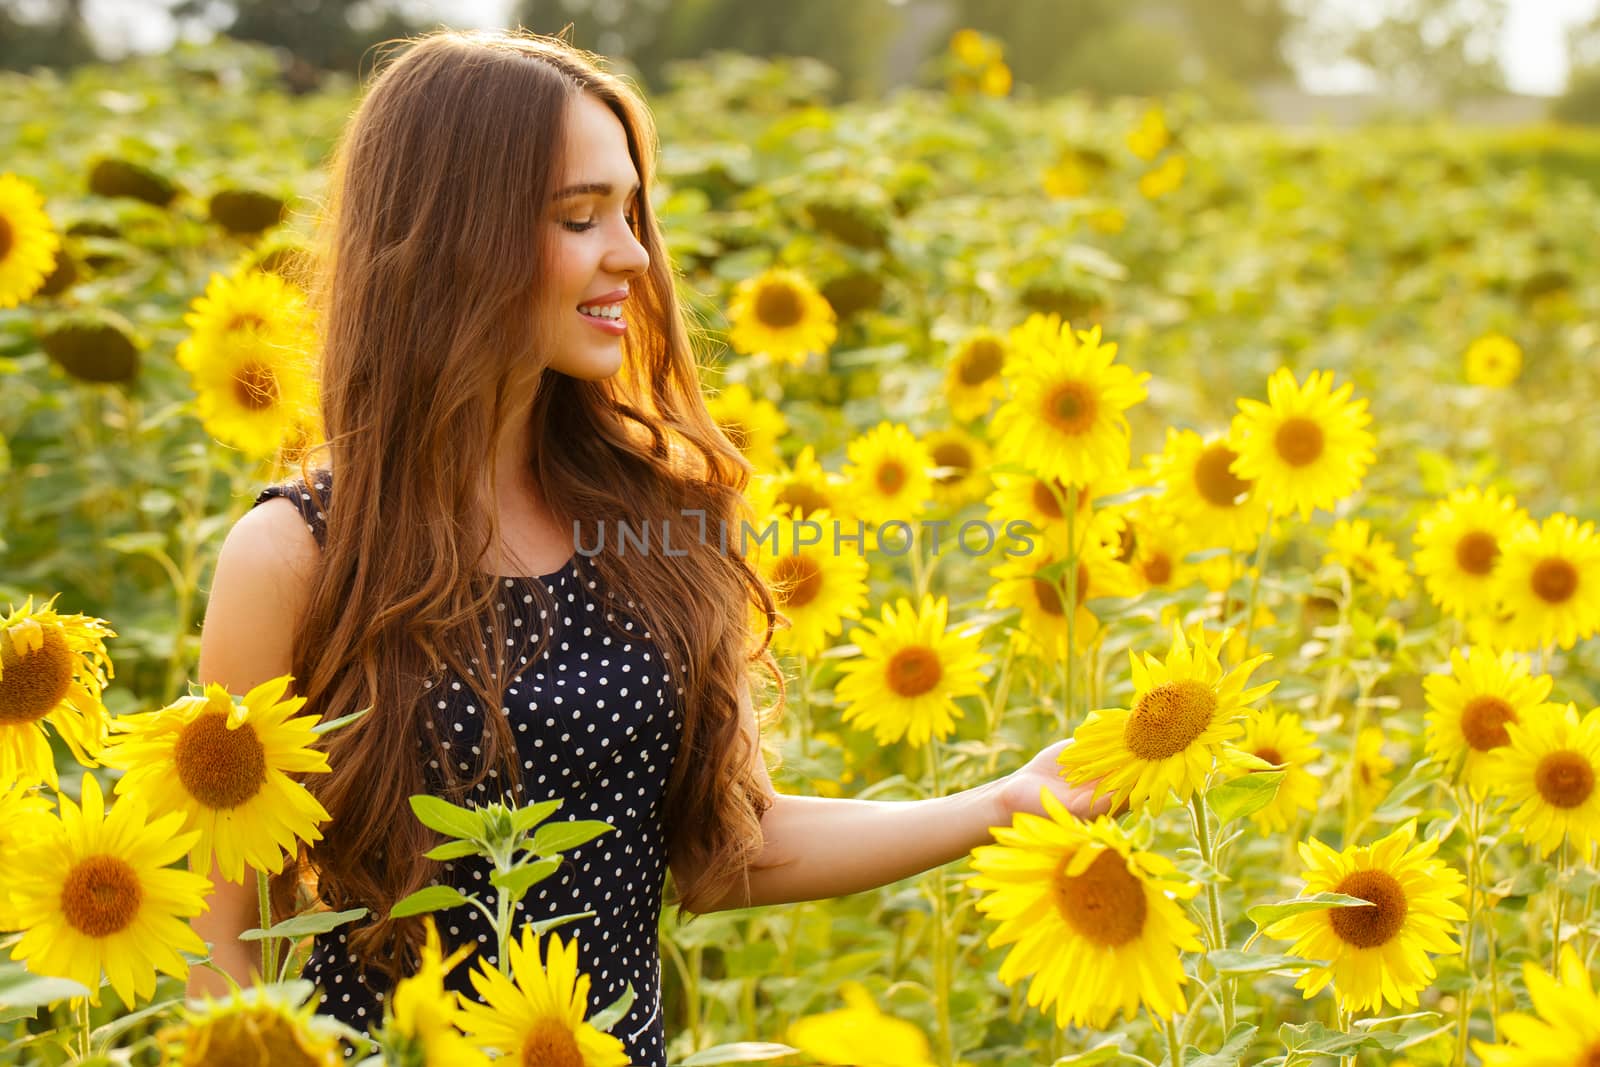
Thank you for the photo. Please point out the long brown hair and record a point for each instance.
(431, 258)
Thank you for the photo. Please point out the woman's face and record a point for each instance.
(595, 253)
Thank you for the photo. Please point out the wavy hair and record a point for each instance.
(425, 291)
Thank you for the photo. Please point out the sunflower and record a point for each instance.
(1216, 506)
(1378, 953)
(959, 461)
(539, 1018)
(1041, 503)
(53, 669)
(24, 816)
(1494, 360)
(257, 1025)
(1546, 776)
(1095, 921)
(887, 475)
(780, 313)
(1548, 581)
(1566, 1030)
(28, 243)
(753, 425)
(840, 1036)
(1156, 546)
(250, 302)
(1281, 741)
(1368, 558)
(225, 766)
(816, 586)
(1471, 706)
(1184, 711)
(1307, 448)
(1372, 767)
(800, 490)
(1147, 139)
(910, 673)
(94, 894)
(1064, 417)
(972, 379)
(1458, 547)
(424, 1015)
(1164, 178)
(1033, 584)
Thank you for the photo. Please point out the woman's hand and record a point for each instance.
(1019, 790)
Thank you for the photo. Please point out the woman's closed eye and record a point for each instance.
(580, 225)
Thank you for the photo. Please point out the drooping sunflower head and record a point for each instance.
(1368, 558)
(1219, 508)
(780, 313)
(1472, 706)
(1548, 583)
(1308, 446)
(887, 474)
(1377, 953)
(1458, 547)
(28, 243)
(259, 1024)
(753, 424)
(799, 491)
(1281, 741)
(53, 669)
(1548, 776)
(959, 463)
(973, 376)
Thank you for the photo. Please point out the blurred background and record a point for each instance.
(1293, 61)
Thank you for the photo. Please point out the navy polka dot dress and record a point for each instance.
(597, 720)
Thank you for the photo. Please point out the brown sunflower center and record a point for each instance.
(255, 387)
(798, 580)
(738, 433)
(1268, 754)
(250, 1037)
(1565, 779)
(890, 476)
(1158, 568)
(1374, 926)
(1483, 722)
(1476, 552)
(5, 238)
(1071, 407)
(1045, 500)
(802, 496)
(980, 361)
(779, 306)
(101, 895)
(1214, 477)
(246, 321)
(551, 1043)
(1105, 904)
(33, 683)
(1168, 718)
(1049, 593)
(1299, 441)
(1590, 1057)
(956, 456)
(1554, 580)
(221, 768)
(913, 671)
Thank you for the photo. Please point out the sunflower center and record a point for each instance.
(221, 768)
(799, 580)
(1554, 580)
(1158, 569)
(1104, 904)
(779, 306)
(259, 1036)
(1045, 500)
(804, 497)
(957, 457)
(737, 433)
(246, 321)
(913, 671)
(1591, 1056)
(890, 477)
(1214, 477)
(100, 896)
(1071, 407)
(1299, 441)
(1476, 552)
(1374, 926)
(980, 361)
(5, 238)
(255, 387)
(1049, 593)
(1268, 754)
(550, 1043)
(33, 682)
(1565, 779)
(1483, 722)
(1168, 718)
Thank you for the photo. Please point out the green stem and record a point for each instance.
(1067, 705)
(1255, 582)
(269, 963)
(1219, 933)
(82, 1012)
(1561, 895)
(1173, 1043)
(1464, 1016)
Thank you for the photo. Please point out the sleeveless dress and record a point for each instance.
(597, 721)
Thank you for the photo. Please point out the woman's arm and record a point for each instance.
(257, 599)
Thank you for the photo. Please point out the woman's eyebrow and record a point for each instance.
(596, 188)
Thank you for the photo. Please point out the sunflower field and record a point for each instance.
(1263, 464)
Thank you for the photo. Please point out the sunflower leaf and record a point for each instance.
(518, 880)
(1106, 1051)
(1245, 795)
(525, 819)
(1229, 961)
(431, 898)
(21, 988)
(452, 850)
(343, 720)
(544, 926)
(1231, 1054)
(1266, 914)
(611, 1014)
(737, 1052)
(1314, 1037)
(445, 817)
(561, 836)
(316, 922)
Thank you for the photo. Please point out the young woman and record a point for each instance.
(488, 219)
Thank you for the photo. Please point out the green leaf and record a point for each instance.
(518, 880)
(561, 836)
(1244, 795)
(109, 1032)
(307, 925)
(1314, 1037)
(432, 898)
(1106, 1051)
(452, 850)
(446, 818)
(525, 819)
(1265, 914)
(21, 988)
(611, 1014)
(342, 721)
(1229, 961)
(738, 1052)
(544, 926)
(1231, 1054)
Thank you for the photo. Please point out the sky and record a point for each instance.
(1532, 48)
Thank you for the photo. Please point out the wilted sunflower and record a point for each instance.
(539, 1019)
(1378, 953)
(1033, 581)
(95, 894)
(753, 425)
(1548, 581)
(1307, 448)
(1281, 741)
(423, 1015)
(813, 585)
(53, 669)
(1097, 923)
(1470, 707)
(972, 379)
(225, 766)
(1546, 775)
(1185, 709)
(839, 1036)
(780, 313)
(910, 672)
(1368, 557)
(1216, 506)
(1458, 547)
(257, 1025)
(1494, 360)
(1564, 1032)
(1064, 416)
(959, 467)
(28, 243)
(887, 474)
(800, 490)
